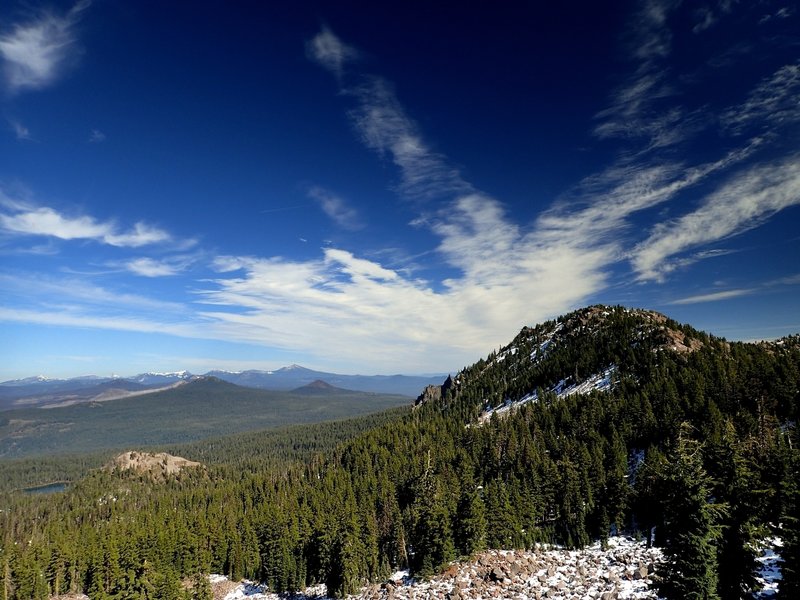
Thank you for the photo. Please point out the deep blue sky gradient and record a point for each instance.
(642, 153)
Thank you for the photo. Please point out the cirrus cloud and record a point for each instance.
(36, 53)
(746, 201)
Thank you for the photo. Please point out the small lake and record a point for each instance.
(50, 488)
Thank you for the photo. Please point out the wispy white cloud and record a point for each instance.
(384, 126)
(715, 296)
(774, 101)
(96, 136)
(344, 308)
(782, 13)
(650, 35)
(46, 221)
(142, 234)
(40, 290)
(600, 207)
(765, 287)
(77, 301)
(788, 280)
(336, 208)
(747, 200)
(22, 132)
(705, 19)
(645, 107)
(36, 53)
(76, 317)
(709, 15)
(149, 267)
(632, 113)
(330, 52)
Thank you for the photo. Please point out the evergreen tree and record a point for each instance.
(738, 487)
(790, 583)
(201, 587)
(470, 522)
(432, 536)
(690, 527)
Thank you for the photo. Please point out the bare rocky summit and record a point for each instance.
(159, 465)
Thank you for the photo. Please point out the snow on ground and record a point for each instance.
(600, 382)
(540, 351)
(622, 572)
(770, 574)
(224, 589)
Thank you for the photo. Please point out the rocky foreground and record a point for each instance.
(624, 571)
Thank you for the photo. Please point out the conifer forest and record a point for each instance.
(691, 443)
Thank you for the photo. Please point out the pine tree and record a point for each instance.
(738, 487)
(6, 572)
(433, 539)
(469, 525)
(201, 587)
(790, 583)
(690, 525)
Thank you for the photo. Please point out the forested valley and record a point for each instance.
(693, 440)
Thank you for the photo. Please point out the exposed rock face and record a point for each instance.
(434, 392)
(158, 465)
(431, 393)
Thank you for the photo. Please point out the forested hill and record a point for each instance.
(629, 353)
(607, 417)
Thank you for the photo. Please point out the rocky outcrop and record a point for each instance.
(431, 393)
(434, 393)
(159, 465)
(624, 571)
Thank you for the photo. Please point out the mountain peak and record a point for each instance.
(292, 367)
(320, 387)
(586, 351)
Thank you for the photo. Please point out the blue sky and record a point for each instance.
(386, 188)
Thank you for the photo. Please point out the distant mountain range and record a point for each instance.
(183, 411)
(41, 391)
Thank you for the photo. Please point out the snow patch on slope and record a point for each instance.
(599, 382)
(540, 351)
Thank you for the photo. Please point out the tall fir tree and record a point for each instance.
(470, 523)
(790, 583)
(738, 486)
(690, 529)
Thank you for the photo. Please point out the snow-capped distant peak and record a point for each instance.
(292, 367)
(183, 373)
(154, 377)
(29, 380)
